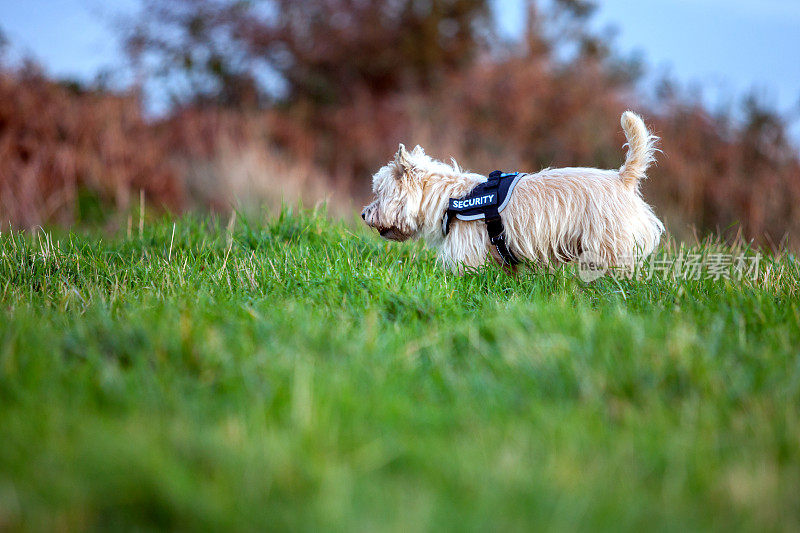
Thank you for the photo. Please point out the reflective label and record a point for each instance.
(468, 203)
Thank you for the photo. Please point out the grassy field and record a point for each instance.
(301, 374)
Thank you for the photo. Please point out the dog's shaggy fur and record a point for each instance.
(553, 216)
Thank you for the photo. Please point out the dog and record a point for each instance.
(554, 216)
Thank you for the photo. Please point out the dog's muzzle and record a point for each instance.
(393, 234)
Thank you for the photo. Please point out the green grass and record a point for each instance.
(302, 374)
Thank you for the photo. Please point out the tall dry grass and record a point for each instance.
(246, 160)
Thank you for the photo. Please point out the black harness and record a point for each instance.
(486, 201)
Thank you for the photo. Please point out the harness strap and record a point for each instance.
(497, 236)
(494, 224)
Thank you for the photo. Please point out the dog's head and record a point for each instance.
(398, 188)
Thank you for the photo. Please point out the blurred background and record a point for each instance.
(208, 104)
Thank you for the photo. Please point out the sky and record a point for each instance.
(726, 47)
(70, 38)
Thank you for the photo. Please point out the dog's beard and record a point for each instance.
(393, 234)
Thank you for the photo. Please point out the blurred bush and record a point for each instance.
(306, 98)
(67, 153)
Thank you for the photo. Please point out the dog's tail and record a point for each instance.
(641, 149)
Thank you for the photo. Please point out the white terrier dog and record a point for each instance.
(553, 216)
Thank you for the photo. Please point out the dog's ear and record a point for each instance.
(402, 160)
(418, 151)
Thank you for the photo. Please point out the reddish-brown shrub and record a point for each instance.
(59, 144)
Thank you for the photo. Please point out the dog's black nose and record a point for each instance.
(363, 215)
